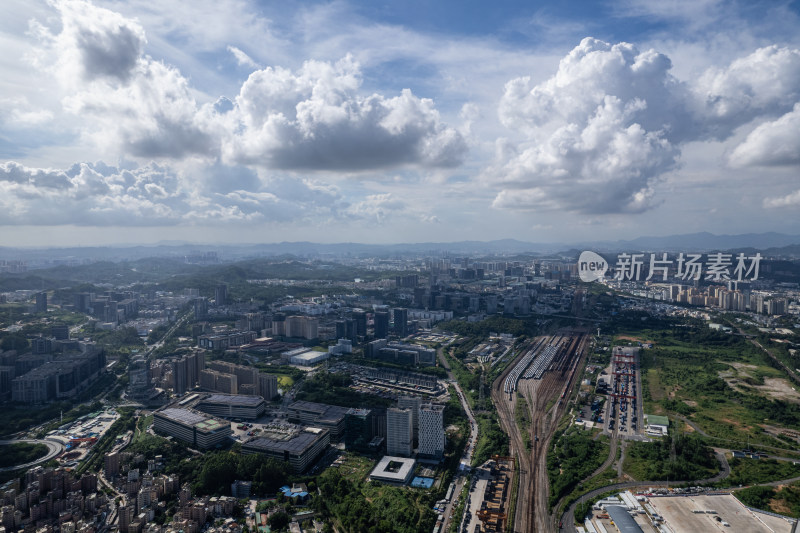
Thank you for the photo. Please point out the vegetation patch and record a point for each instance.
(369, 507)
(751, 471)
(522, 415)
(491, 439)
(20, 453)
(680, 457)
(334, 389)
(571, 458)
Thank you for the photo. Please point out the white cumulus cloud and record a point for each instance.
(790, 200)
(774, 143)
(316, 118)
(602, 131)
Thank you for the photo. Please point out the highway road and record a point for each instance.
(54, 450)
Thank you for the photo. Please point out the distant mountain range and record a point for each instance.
(770, 243)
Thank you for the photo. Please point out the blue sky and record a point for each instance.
(241, 121)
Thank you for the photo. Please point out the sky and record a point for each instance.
(243, 121)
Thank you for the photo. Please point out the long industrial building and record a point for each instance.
(299, 449)
(59, 379)
(233, 406)
(197, 429)
(330, 417)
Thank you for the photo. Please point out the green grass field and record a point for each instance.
(722, 383)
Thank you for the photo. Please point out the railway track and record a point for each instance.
(532, 513)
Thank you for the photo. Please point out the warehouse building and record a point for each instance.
(233, 406)
(299, 449)
(330, 417)
(197, 429)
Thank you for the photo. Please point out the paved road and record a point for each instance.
(568, 517)
(466, 460)
(54, 450)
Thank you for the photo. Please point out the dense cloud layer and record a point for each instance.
(152, 195)
(608, 131)
(314, 119)
(610, 124)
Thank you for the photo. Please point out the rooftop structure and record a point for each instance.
(395, 470)
(233, 406)
(330, 417)
(299, 449)
(195, 428)
(624, 521)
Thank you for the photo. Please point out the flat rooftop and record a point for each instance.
(191, 418)
(297, 443)
(393, 469)
(324, 412)
(234, 399)
(677, 512)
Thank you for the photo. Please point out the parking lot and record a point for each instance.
(624, 409)
(682, 515)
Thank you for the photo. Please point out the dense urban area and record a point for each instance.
(407, 392)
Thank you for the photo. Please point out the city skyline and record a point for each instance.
(125, 122)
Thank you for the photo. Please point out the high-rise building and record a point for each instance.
(341, 329)
(357, 429)
(139, 380)
(305, 327)
(60, 331)
(757, 303)
(82, 301)
(399, 431)
(350, 330)
(360, 323)
(267, 385)
(180, 376)
(400, 316)
(221, 294)
(278, 324)
(195, 363)
(201, 308)
(126, 516)
(413, 403)
(112, 464)
(218, 381)
(41, 303)
(431, 430)
(491, 304)
(776, 306)
(381, 324)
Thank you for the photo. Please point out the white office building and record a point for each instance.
(399, 431)
(431, 431)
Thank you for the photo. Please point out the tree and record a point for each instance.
(279, 520)
(14, 341)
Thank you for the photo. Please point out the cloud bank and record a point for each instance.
(602, 132)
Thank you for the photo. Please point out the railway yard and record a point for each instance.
(542, 376)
